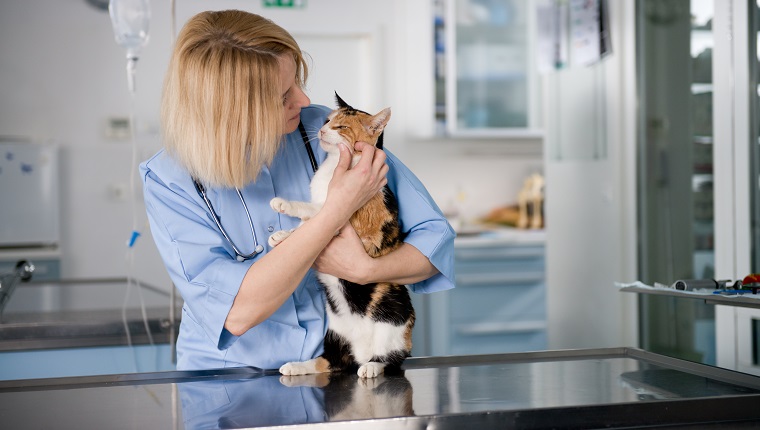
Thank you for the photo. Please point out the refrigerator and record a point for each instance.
(29, 205)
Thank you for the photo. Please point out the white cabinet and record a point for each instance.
(486, 74)
(498, 305)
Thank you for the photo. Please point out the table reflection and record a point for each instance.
(269, 400)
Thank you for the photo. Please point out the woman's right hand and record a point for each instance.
(350, 188)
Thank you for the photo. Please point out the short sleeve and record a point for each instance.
(423, 222)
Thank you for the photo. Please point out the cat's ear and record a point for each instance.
(341, 103)
(378, 122)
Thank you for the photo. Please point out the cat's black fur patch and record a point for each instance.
(393, 360)
(394, 307)
(358, 296)
(338, 352)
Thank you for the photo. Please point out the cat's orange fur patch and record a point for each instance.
(408, 333)
(381, 290)
(321, 365)
(368, 222)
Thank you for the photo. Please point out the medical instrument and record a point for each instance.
(749, 284)
(130, 20)
(257, 248)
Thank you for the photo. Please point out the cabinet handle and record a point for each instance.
(495, 328)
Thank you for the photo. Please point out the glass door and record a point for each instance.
(747, 321)
(737, 175)
(754, 132)
(674, 66)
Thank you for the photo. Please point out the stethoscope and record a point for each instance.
(256, 247)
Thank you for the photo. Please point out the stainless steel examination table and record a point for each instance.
(594, 388)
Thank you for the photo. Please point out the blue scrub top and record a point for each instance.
(202, 264)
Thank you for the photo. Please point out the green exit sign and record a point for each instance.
(285, 3)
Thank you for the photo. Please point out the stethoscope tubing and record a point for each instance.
(239, 256)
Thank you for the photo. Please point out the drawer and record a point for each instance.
(497, 342)
(517, 278)
(502, 266)
(487, 253)
(496, 303)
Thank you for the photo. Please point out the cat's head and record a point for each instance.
(347, 126)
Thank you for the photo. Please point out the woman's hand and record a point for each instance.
(350, 188)
(345, 257)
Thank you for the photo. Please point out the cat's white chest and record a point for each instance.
(321, 180)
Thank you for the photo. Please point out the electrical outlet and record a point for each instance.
(117, 191)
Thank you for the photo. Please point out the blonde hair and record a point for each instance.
(221, 110)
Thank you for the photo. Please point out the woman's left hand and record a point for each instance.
(345, 257)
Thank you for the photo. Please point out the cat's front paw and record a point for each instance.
(297, 368)
(280, 205)
(277, 237)
(371, 370)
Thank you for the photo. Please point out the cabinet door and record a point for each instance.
(489, 73)
(499, 304)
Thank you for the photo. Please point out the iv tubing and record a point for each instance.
(130, 255)
(131, 70)
(173, 292)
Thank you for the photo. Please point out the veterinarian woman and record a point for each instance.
(232, 102)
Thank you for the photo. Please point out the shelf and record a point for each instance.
(469, 33)
(513, 133)
(739, 300)
(491, 78)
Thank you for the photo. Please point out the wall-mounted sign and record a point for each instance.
(293, 4)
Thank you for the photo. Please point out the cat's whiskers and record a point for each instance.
(312, 128)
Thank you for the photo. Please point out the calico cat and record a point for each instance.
(369, 326)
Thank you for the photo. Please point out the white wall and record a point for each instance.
(63, 76)
(591, 200)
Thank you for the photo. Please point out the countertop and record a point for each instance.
(84, 313)
(593, 388)
(95, 312)
(484, 235)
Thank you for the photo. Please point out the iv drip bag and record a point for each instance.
(130, 19)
